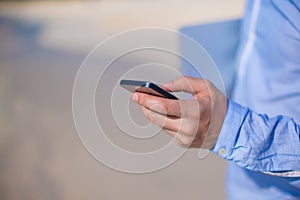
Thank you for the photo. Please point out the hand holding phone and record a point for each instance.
(194, 123)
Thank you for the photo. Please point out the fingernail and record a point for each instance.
(135, 97)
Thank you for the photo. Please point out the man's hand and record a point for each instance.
(194, 123)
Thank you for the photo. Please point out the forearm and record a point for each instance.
(257, 142)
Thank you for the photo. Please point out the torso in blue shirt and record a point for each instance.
(268, 81)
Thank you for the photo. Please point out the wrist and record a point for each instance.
(219, 109)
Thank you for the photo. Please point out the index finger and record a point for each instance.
(157, 104)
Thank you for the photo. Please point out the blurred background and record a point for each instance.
(42, 45)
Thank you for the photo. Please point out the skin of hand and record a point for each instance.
(196, 122)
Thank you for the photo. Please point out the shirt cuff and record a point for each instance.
(229, 134)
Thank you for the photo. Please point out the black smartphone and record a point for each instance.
(146, 87)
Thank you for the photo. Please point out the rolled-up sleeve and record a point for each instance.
(257, 142)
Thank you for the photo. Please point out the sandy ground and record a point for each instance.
(42, 45)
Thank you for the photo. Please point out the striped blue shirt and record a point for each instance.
(260, 136)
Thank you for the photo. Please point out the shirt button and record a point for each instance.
(222, 151)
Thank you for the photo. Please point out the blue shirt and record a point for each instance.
(260, 136)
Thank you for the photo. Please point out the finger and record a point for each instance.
(162, 120)
(171, 108)
(185, 126)
(158, 104)
(187, 84)
(182, 140)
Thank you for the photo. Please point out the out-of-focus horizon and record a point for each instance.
(42, 44)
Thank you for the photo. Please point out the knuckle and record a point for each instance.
(181, 79)
(149, 117)
(189, 131)
(180, 143)
(174, 81)
(146, 113)
(205, 83)
(141, 100)
(164, 106)
(186, 142)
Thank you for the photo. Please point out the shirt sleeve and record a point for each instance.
(257, 142)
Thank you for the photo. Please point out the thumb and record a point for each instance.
(187, 84)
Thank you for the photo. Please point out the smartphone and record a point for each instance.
(146, 87)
